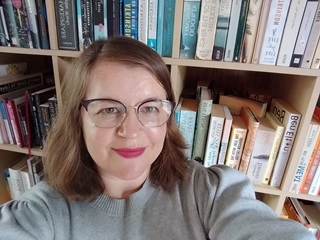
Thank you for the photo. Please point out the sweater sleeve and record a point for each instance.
(230, 210)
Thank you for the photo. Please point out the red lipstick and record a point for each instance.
(130, 152)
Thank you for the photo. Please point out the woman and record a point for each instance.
(115, 166)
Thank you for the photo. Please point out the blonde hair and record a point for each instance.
(68, 167)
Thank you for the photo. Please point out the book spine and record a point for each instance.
(312, 41)
(189, 28)
(202, 125)
(225, 136)
(316, 58)
(79, 21)
(291, 127)
(251, 28)
(16, 183)
(232, 33)
(100, 28)
(42, 23)
(304, 31)
(14, 121)
(274, 149)
(160, 26)
(207, 29)
(187, 128)
(113, 15)
(11, 23)
(315, 185)
(261, 31)
(168, 28)
(290, 32)
(3, 130)
(152, 25)
(240, 30)
(36, 138)
(130, 18)
(311, 169)
(20, 84)
(6, 122)
(273, 33)
(301, 168)
(5, 29)
(67, 24)
(222, 30)
(87, 23)
(52, 110)
(143, 10)
(32, 18)
(45, 115)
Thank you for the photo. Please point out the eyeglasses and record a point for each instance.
(107, 113)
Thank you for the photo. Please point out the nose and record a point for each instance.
(131, 126)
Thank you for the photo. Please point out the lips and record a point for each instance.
(130, 152)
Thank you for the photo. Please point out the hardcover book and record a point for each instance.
(252, 124)
(290, 32)
(287, 115)
(87, 23)
(214, 135)
(207, 29)
(4, 35)
(160, 26)
(167, 39)
(67, 29)
(222, 30)
(261, 151)
(236, 142)
(316, 58)
(130, 18)
(143, 13)
(33, 22)
(152, 25)
(113, 16)
(42, 23)
(12, 68)
(100, 25)
(304, 31)
(189, 28)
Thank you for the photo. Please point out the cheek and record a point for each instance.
(157, 136)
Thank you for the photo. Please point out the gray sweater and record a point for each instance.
(216, 203)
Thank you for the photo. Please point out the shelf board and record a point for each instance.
(266, 189)
(42, 52)
(15, 148)
(303, 196)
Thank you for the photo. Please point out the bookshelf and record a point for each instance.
(300, 87)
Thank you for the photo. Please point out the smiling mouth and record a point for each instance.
(130, 152)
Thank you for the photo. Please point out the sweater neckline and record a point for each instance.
(124, 207)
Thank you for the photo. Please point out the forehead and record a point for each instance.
(122, 82)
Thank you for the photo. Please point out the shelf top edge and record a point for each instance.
(180, 62)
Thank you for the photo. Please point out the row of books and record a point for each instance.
(239, 132)
(23, 174)
(271, 32)
(306, 179)
(24, 24)
(26, 115)
(304, 212)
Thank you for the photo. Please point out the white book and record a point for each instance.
(207, 29)
(315, 185)
(26, 177)
(143, 10)
(273, 33)
(233, 27)
(261, 151)
(5, 29)
(261, 31)
(304, 31)
(290, 118)
(316, 58)
(214, 135)
(152, 24)
(225, 135)
(306, 153)
(290, 32)
(312, 41)
(16, 179)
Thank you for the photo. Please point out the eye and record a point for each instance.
(109, 110)
(149, 109)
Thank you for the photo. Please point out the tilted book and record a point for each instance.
(287, 115)
(250, 32)
(236, 142)
(273, 33)
(222, 30)
(252, 124)
(214, 135)
(202, 124)
(304, 31)
(232, 33)
(225, 135)
(207, 29)
(189, 28)
(308, 146)
(275, 146)
(187, 122)
(290, 32)
(261, 151)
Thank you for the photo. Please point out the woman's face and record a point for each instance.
(127, 151)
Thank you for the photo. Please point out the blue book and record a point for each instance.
(190, 22)
(130, 18)
(167, 40)
(160, 26)
(152, 24)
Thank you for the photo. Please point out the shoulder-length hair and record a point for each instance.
(68, 166)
